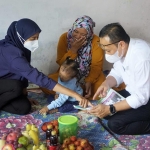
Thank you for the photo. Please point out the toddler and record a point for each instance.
(67, 77)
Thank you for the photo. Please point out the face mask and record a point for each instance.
(113, 58)
(31, 45)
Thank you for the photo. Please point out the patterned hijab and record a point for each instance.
(84, 53)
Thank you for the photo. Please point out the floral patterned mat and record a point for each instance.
(89, 127)
(131, 142)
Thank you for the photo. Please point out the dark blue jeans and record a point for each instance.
(132, 121)
(66, 107)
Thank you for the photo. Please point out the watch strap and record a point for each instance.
(112, 109)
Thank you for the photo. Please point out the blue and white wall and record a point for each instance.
(56, 16)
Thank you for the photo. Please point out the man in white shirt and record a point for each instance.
(131, 58)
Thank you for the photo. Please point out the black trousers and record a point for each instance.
(12, 99)
(132, 121)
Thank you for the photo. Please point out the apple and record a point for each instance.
(12, 136)
(79, 148)
(66, 141)
(49, 126)
(44, 127)
(57, 131)
(73, 138)
(77, 143)
(49, 123)
(55, 122)
(8, 147)
(71, 147)
(83, 143)
(79, 139)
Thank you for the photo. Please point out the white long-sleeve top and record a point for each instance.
(134, 71)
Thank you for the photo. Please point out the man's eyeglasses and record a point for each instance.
(103, 46)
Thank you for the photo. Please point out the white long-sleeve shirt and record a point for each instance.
(71, 84)
(134, 71)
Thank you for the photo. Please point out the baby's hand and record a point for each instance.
(44, 110)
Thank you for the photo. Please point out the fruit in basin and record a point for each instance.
(79, 148)
(71, 147)
(54, 124)
(67, 141)
(84, 143)
(74, 143)
(73, 138)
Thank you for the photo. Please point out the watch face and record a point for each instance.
(112, 109)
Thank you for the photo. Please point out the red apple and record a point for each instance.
(55, 122)
(49, 126)
(50, 123)
(44, 127)
(83, 143)
(79, 139)
(79, 148)
(66, 141)
(12, 136)
(73, 138)
(8, 147)
(77, 143)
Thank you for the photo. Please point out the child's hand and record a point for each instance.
(44, 110)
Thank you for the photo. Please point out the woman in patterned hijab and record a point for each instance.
(84, 52)
(82, 45)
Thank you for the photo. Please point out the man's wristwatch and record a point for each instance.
(112, 109)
